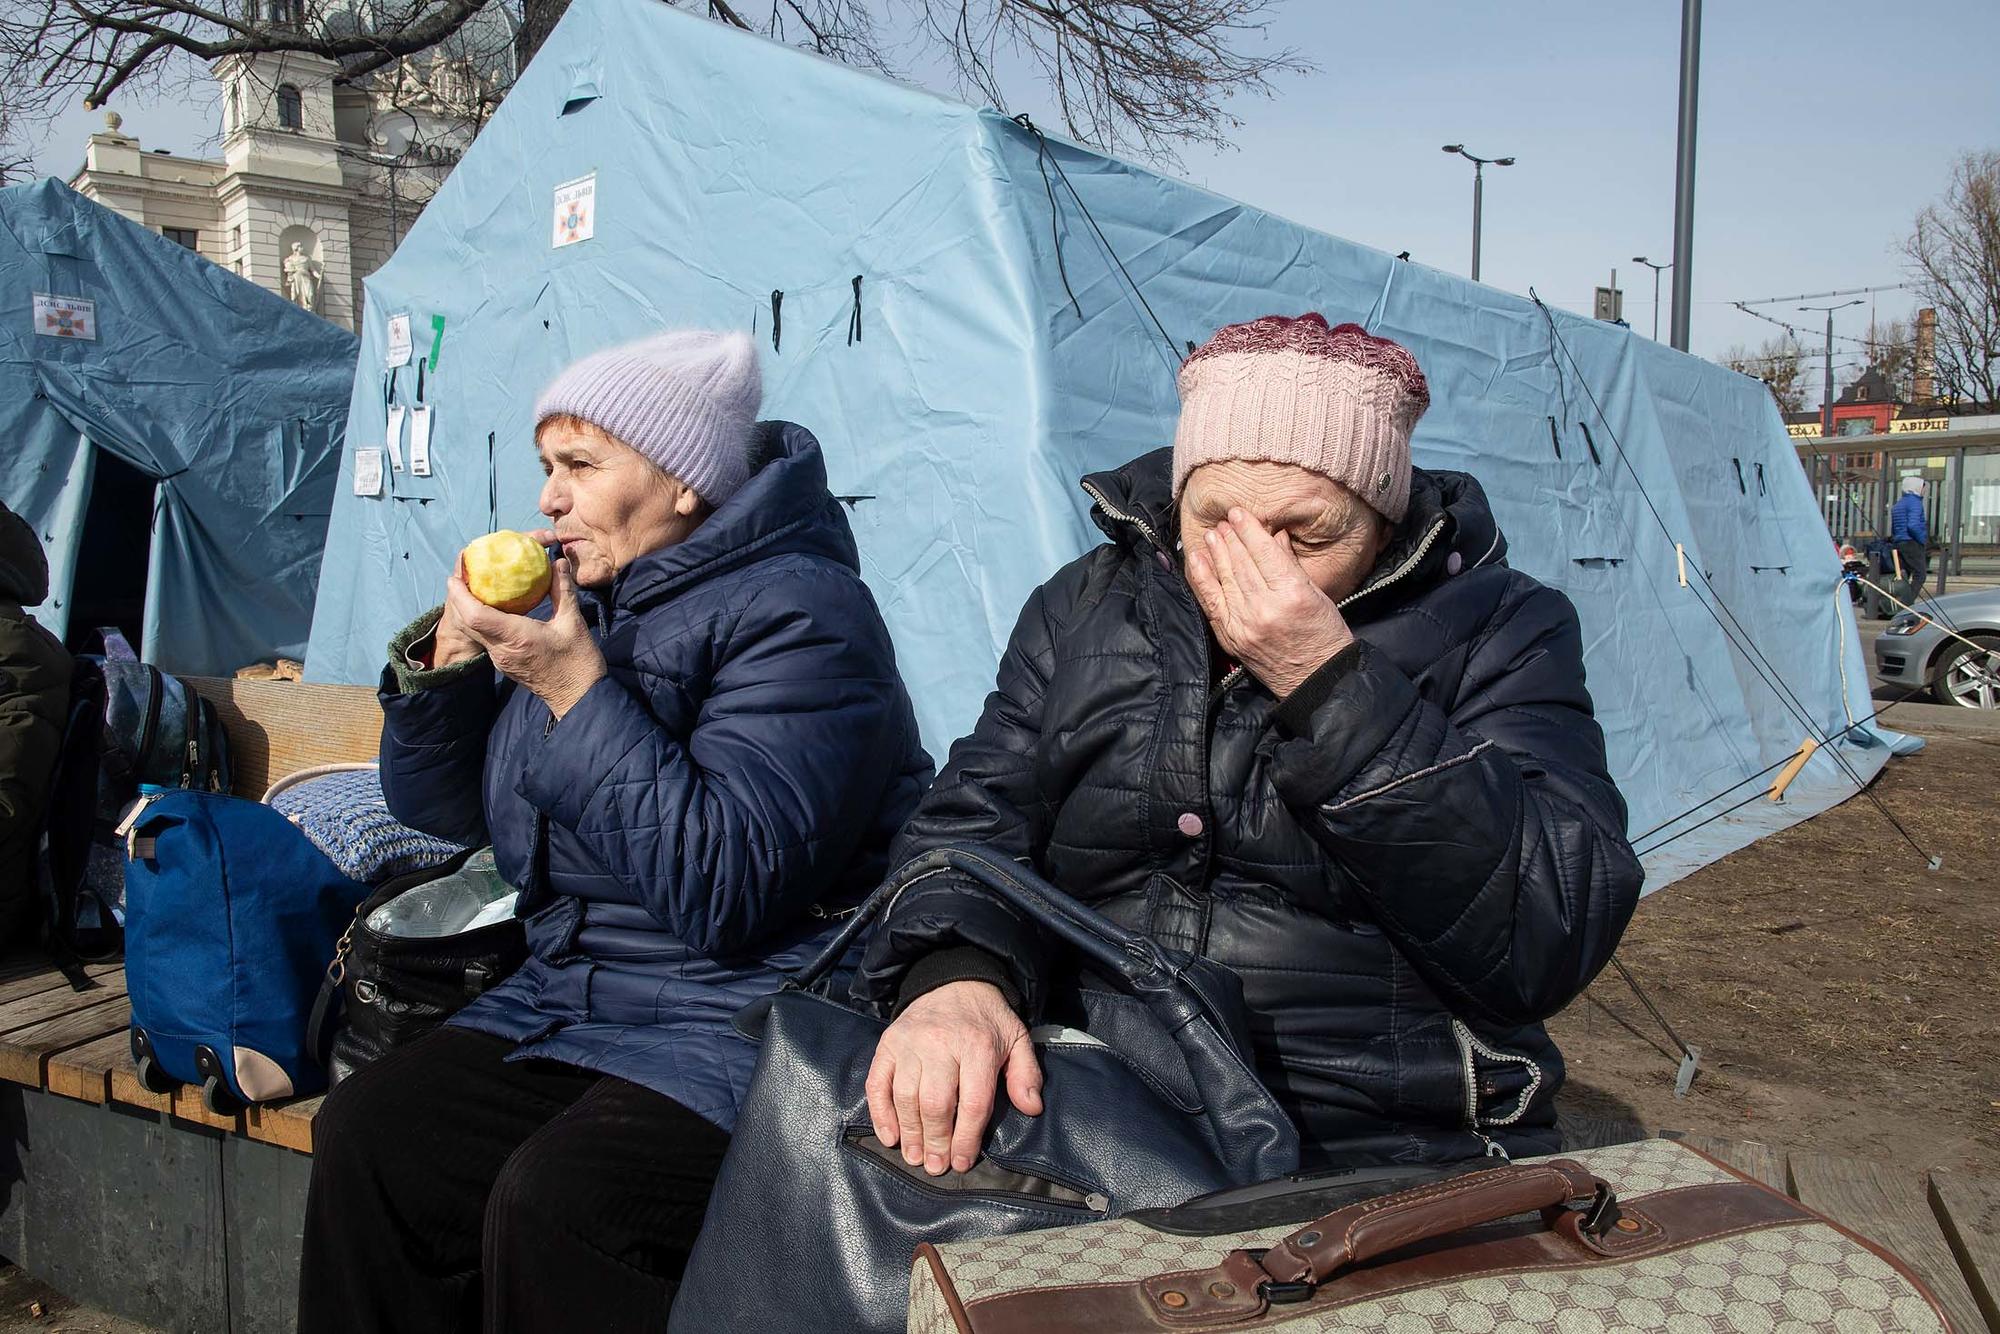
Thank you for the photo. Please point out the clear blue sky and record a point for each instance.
(1825, 124)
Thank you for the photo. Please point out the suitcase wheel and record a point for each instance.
(154, 1079)
(151, 1077)
(216, 1095)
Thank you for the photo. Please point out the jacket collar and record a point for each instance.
(1448, 515)
(784, 509)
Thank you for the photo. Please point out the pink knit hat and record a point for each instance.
(1339, 401)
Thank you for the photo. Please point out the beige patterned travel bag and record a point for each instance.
(1645, 1236)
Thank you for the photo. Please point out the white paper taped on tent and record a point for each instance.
(65, 317)
(367, 472)
(399, 341)
(211, 407)
(396, 414)
(1021, 306)
(575, 211)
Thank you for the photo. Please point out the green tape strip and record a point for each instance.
(437, 339)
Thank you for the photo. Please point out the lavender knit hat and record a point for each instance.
(687, 400)
(1338, 401)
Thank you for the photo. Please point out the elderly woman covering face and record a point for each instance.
(1297, 716)
(695, 754)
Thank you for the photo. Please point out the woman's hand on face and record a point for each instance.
(931, 1088)
(1266, 611)
(558, 659)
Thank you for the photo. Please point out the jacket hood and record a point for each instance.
(24, 567)
(1448, 515)
(784, 509)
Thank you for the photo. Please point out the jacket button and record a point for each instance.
(1454, 563)
(1189, 824)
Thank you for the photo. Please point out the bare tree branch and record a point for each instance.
(1953, 253)
(1139, 76)
(1780, 363)
(1127, 75)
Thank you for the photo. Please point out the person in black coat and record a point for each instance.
(34, 703)
(1297, 716)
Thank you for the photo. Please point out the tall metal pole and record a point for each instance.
(1478, 194)
(1656, 304)
(1684, 173)
(1826, 392)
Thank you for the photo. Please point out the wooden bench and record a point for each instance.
(147, 1204)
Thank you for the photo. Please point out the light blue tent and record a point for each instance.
(220, 409)
(970, 317)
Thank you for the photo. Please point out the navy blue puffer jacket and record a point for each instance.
(1411, 863)
(682, 834)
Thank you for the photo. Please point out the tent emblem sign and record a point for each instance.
(65, 317)
(576, 211)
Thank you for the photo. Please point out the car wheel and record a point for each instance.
(1969, 676)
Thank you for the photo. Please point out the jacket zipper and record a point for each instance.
(1416, 558)
(1459, 1034)
(1122, 517)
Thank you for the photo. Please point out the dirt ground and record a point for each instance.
(27, 1304)
(1842, 995)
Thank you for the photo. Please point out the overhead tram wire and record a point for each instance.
(1814, 296)
(1741, 636)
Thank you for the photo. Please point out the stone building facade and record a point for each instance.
(339, 171)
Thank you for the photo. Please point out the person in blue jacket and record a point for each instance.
(1910, 533)
(688, 761)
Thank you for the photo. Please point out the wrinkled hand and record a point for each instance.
(558, 659)
(1266, 612)
(931, 1087)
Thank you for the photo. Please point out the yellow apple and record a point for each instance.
(507, 570)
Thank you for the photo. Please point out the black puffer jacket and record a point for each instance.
(1411, 863)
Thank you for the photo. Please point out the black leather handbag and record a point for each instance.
(1150, 1099)
(382, 992)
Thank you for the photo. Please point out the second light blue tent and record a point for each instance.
(971, 315)
(172, 432)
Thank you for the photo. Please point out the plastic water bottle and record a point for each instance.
(447, 905)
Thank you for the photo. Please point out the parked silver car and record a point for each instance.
(1929, 647)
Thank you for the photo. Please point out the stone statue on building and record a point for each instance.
(302, 277)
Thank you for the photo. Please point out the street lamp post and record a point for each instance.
(1657, 269)
(1478, 192)
(1826, 388)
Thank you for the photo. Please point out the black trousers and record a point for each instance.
(1916, 563)
(454, 1191)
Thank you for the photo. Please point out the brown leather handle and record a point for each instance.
(1360, 1232)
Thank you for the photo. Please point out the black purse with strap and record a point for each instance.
(382, 992)
(1148, 1099)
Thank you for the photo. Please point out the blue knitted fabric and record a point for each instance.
(345, 817)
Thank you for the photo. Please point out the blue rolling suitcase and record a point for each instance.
(231, 918)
